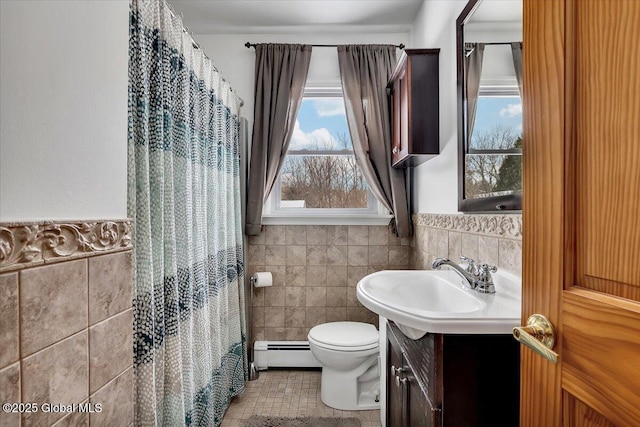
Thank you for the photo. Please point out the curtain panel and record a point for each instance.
(365, 71)
(473, 71)
(281, 74)
(184, 196)
(516, 52)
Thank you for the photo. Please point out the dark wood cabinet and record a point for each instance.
(452, 380)
(395, 404)
(413, 96)
(409, 403)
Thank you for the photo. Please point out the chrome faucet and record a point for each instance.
(477, 276)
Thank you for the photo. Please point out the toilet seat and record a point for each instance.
(344, 336)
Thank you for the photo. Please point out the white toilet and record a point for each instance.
(348, 353)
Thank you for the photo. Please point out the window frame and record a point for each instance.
(509, 203)
(374, 214)
(500, 204)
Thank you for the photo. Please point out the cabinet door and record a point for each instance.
(396, 121)
(405, 99)
(400, 111)
(418, 410)
(407, 405)
(394, 394)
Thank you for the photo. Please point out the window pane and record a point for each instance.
(320, 170)
(321, 125)
(498, 123)
(492, 175)
(325, 181)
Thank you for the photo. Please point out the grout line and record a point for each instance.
(115, 377)
(57, 342)
(119, 313)
(58, 260)
(19, 324)
(88, 385)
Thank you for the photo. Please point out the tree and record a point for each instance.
(482, 170)
(510, 172)
(324, 181)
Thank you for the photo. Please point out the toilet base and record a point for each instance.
(356, 391)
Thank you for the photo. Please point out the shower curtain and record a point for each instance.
(184, 196)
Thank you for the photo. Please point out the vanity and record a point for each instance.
(452, 380)
(449, 357)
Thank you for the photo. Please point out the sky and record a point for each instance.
(498, 110)
(320, 121)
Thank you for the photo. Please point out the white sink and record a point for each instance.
(437, 301)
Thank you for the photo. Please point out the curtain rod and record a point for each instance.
(469, 49)
(249, 45)
(492, 43)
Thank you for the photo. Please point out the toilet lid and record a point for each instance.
(345, 334)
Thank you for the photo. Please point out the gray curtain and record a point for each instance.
(281, 74)
(365, 71)
(516, 51)
(473, 71)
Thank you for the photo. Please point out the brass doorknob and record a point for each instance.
(538, 335)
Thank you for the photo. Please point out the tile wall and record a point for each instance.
(66, 334)
(494, 239)
(315, 272)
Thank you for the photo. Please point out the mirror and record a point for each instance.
(489, 69)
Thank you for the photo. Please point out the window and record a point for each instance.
(320, 177)
(493, 162)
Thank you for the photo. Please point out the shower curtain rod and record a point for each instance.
(197, 46)
(248, 45)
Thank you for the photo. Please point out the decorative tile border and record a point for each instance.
(31, 243)
(506, 226)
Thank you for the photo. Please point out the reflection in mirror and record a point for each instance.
(489, 36)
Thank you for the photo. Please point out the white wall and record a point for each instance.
(237, 63)
(63, 109)
(435, 182)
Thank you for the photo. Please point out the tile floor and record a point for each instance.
(288, 393)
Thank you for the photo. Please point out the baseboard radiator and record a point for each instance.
(283, 354)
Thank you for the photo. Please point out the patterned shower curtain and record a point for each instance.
(184, 195)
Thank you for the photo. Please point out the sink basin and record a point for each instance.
(437, 301)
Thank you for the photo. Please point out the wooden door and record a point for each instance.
(581, 210)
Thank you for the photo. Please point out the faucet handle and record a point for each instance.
(484, 272)
(486, 268)
(485, 280)
(466, 259)
(471, 264)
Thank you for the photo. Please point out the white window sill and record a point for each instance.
(319, 219)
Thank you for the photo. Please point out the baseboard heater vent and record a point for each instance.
(283, 354)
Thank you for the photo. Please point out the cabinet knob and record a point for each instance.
(400, 381)
(396, 371)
